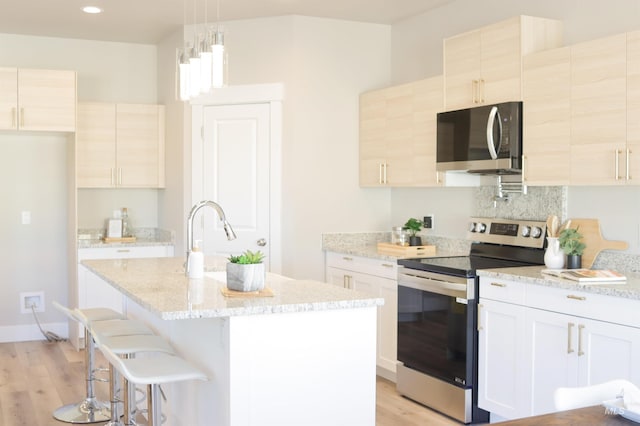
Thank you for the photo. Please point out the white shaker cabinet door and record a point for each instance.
(501, 343)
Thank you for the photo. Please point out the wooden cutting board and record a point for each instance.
(592, 237)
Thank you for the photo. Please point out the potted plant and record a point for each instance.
(573, 247)
(413, 226)
(246, 272)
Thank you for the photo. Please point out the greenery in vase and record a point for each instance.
(413, 226)
(570, 242)
(247, 258)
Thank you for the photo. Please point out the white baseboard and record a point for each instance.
(28, 332)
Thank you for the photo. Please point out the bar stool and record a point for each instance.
(152, 372)
(128, 347)
(133, 329)
(90, 409)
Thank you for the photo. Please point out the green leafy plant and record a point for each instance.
(413, 226)
(248, 257)
(570, 242)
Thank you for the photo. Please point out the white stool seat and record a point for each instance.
(124, 345)
(116, 327)
(87, 316)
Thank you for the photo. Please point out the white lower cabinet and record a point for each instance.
(531, 345)
(378, 278)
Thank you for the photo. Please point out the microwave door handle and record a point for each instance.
(490, 142)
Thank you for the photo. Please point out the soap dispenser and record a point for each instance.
(196, 261)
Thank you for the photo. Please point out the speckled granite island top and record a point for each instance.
(532, 275)
(159, 285)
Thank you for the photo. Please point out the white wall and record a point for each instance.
(417, 53)
(34, 167)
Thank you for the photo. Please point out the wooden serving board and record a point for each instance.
(120, 240)
(406, 251)
(592, 237)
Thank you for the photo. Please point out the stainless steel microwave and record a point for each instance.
(485, 139)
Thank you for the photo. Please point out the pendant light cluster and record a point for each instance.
(202, 64)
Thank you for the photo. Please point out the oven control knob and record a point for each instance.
(480, 227)
(536, 232)
(526, 231)
(472, 227)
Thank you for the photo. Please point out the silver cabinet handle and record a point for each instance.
(119, 176)
(349, 259)
(387, 265)
(474, 91)
(346, 281)
(617, 164)
(123, 250)
(574, 297)
(569, 333)
(13, 117)
(384, 168)
(481, 91)
(113, 176)
(498, 284)
(480, 306)
(380, 173)
(261, 242)
(524, 173)
(580, 351)
(628, 172)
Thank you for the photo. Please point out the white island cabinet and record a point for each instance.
(305, 356)
(537, 334)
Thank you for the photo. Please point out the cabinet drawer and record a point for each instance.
(124, 252)
(583, 304)
(502, 290)
(377, 267)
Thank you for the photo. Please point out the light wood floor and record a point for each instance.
(38, 377)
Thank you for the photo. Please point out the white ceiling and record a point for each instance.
(148, 21)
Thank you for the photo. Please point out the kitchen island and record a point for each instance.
(304, 356)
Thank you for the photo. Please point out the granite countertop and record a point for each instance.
(145, 237)
(160, 286)
(366, 245)
(629, 289)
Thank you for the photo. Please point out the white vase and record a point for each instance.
(553, 256)
(241, 277)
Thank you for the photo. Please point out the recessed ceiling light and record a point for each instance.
(91, 9)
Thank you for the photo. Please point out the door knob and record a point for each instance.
(261, 242)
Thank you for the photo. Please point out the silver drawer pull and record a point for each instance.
(347, 258)
(498, 284)
(387, 265)
(123, 250)
(574, 297)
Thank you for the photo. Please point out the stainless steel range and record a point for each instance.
(437, 314)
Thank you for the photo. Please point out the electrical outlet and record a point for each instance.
(428, 221)
(33, 299)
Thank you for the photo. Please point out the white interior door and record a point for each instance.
(236, 175)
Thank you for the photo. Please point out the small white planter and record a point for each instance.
(242, 277)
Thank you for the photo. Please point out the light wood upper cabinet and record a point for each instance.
(599, 111)
(546, 92)
(37, 100)
(484, 66)
(120, 145)
(398, 134)
(632, 154)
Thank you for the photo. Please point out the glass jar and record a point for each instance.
(398, 236)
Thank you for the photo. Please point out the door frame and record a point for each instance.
(273, 95)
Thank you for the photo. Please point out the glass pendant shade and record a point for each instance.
(194, 72)
(219, 61)
(206, 60)
(183, 75)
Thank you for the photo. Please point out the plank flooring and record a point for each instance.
(38, 377)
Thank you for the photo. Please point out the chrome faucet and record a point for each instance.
(227, 227)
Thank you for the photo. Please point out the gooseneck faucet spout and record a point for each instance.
(227, 227)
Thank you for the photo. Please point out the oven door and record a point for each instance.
(436, 325)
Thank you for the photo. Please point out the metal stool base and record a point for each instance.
(85, 412)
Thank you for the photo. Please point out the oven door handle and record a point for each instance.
(433, 286)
